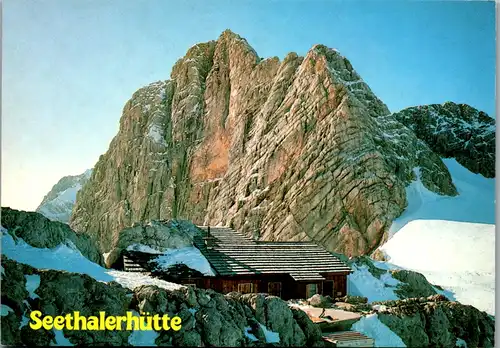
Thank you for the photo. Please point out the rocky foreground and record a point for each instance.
(208, 318)
(422, 319)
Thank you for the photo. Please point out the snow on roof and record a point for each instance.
(189, 256)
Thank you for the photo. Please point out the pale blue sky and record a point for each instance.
(70, 66)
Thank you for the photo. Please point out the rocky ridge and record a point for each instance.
(455, 130)
(299, 149)
(58, 203)
(40, 232)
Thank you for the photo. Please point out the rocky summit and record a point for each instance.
(455, 130)
(293, 149)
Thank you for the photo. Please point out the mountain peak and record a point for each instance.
(299, 149)
(58, 203)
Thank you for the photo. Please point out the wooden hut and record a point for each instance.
(290, 270)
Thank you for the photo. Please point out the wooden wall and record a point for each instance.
(290, 289)
(339, 283)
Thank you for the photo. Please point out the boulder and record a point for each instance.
(320, 301)
(158, 235)
(40, 232)
(437, 322)
(414, 284)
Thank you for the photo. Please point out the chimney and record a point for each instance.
(209, 240)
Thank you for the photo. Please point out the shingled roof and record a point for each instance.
(235, 254)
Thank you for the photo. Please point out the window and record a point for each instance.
(311, 289)
(245, 288)
(274, 288)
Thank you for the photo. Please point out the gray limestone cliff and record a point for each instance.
(293, 149)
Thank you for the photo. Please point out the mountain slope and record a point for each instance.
(282, 150)
(475, 202)
(458, 256)
(455, 130)
(58, 203)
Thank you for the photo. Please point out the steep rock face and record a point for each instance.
(283, 150)
(455, 130)
(58, 203)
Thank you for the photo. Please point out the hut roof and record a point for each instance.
(232, 253)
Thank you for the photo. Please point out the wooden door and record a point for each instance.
(274, 288)
(311, 289)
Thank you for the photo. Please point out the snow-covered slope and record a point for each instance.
(362, 283)
(458, 256)
(58, 203)
(66, 257)
(475, 202)
(450, 240)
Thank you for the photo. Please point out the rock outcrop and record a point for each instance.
(414, 284)
(455, 130)
(40, 232)
(208, 318)
(299, 149)
(158, 235)
(437, 322)
(410, 284)
(320, 301)
(58, 204)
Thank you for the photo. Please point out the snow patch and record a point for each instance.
(61, 340)
(249, 335)
(105, 257)
(189, 256)
(143, 338)
(271, 336)
(32, 283)
(132, 280)
(475, 202)
(5, 310)
(155, 133)
(362, 283)
(372, 327)
(459, 257)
